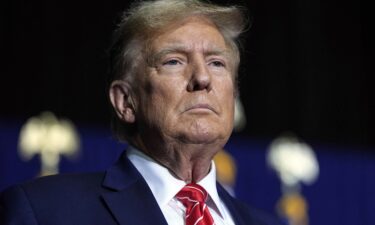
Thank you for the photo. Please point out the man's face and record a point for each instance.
(186, 91)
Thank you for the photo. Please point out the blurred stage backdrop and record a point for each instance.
(341, 193)
(304, 147)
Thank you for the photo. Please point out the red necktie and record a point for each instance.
(193, 197)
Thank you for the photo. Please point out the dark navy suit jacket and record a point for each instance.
(118, 196)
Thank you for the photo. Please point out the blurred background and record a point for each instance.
(307, 69)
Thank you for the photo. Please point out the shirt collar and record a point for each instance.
(163, 184)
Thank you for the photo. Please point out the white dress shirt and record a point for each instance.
(165, 186)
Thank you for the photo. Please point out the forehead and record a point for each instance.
(192, 34)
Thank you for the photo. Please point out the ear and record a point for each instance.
(122, 100)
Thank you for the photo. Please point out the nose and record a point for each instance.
(200, 77)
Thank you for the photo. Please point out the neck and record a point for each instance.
(188, 162)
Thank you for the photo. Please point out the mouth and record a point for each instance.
(200, 108)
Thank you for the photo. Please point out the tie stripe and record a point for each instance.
(193, 197)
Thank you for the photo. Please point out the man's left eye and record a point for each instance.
(217, 63)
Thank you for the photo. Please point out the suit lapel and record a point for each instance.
(130, 199)
(230, 204)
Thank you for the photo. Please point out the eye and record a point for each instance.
(217, 63)
(172, 62)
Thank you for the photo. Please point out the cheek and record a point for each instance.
(227, 91)
(161, 100)
(227, 98)
(230, 111)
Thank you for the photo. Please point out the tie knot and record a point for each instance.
(191, 194)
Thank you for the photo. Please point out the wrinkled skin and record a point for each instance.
(183, 100)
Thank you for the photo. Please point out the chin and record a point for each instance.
(203, 132)
(201, 138)
(204, 137)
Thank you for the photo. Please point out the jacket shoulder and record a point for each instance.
(52, 195)
(64, 182)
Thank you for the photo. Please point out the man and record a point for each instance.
(173, 85)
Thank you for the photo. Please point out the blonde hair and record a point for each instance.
(147, 18)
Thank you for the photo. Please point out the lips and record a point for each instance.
(200, 107)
